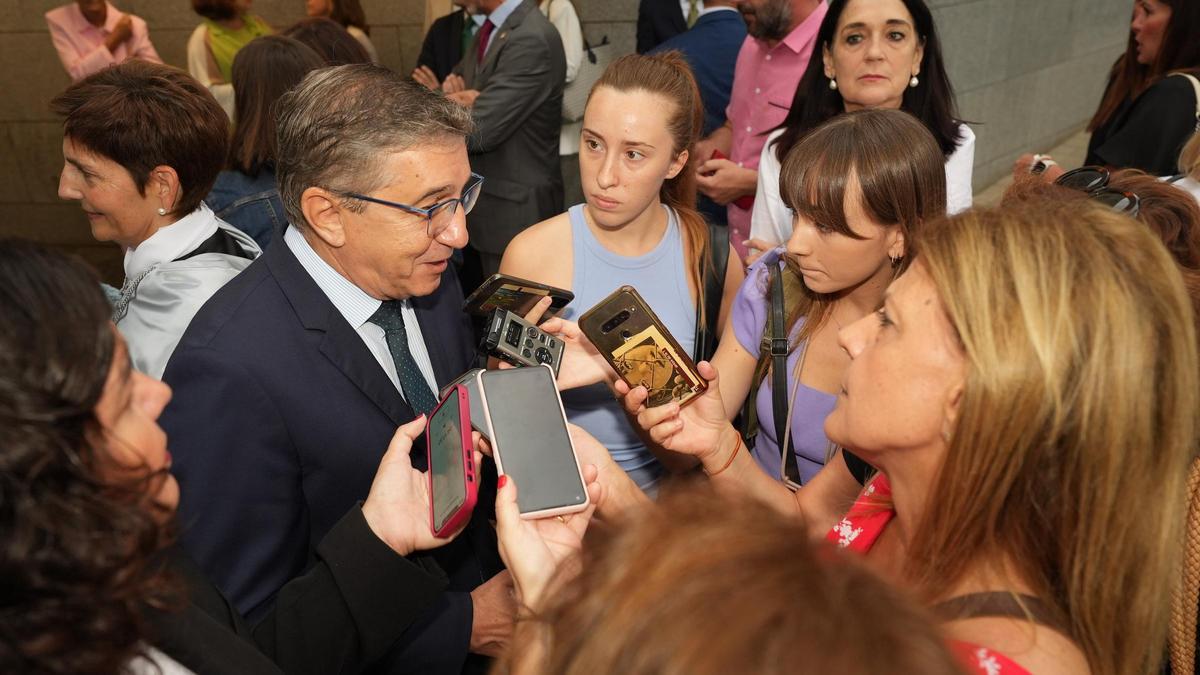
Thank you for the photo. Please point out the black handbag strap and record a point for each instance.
(713, 282)
(779, 354)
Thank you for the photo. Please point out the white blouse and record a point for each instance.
(771, 220)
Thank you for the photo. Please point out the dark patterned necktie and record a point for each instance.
(412, 382)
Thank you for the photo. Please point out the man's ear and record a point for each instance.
(677, 164)
(163, 186)
(323, 212)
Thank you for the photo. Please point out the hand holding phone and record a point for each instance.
(640, 348)
(745, 201)
(453, 480)
(514, 294)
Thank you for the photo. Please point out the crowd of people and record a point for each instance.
(935, 438)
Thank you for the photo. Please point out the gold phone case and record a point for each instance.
(637, 345)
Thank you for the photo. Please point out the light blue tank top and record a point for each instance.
(660, 277)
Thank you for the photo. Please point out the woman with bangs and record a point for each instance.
(638, 226)
(1029, 493)
(860, 186)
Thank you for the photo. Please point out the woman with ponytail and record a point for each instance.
(638, 226)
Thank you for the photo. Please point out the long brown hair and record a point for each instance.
(76, 556)
(264, 70)
(668, 75)
(901, 176)
(1180, 50)
(1076, 424)
(349, 13)
(702, 585)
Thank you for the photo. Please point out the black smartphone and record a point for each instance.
(530, 441)
(471, 381)
(515, 295)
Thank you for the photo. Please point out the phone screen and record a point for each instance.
(532, 439)
(446, 461)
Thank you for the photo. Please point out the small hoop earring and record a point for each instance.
(914, 81)
(833, 84)
(162, 211)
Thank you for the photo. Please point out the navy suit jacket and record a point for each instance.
(279, 419)
(658, 21)
(711, 48)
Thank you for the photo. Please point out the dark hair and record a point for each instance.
(702, 584)
(931, 101)
(215, 10)
(264, 70)
(142, 115)
(901, 178)
(329, 39)
(668, 75)
(337, 126)
(1180, 50)
(75, 551)
(349, 13)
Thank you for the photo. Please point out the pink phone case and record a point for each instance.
(469, 477)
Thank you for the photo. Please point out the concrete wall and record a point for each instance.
(1028, 72)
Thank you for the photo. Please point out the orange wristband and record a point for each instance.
(728, 462)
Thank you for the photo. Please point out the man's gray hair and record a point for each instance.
(336, 127)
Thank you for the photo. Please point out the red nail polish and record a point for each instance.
(501, 481)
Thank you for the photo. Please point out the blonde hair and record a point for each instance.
(702, 585)
(1189, 159)
(669, 76)
(1077, 420)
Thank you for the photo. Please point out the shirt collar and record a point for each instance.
(500, 15)
(351, 301)
(111, 16)
(710, 10)
(478, 19)
(171, 241)
(801, 37)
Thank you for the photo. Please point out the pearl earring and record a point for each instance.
(162, 211)
(914, 81)
(833, 84)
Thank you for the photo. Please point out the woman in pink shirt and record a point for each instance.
(91, 35)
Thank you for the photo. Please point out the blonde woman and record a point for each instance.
(1028, 393)
(1189, 167)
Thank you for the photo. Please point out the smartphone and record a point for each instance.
(515, 295)
(470, 380)
(531, 442)
(745, 201)
(452, 485)
(516, 341)
(641, 349)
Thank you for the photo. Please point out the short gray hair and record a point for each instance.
(336, 126)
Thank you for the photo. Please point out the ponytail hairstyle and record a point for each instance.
(669, 76)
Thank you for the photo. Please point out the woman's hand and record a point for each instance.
(533, 550)
(695, 430)
(397, 507)
(581, 364)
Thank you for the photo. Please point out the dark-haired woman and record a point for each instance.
(89, 503)
(245, 194)
(142, 145)
(227, 27)
(868, 54)
(329, 39)
(350, 15)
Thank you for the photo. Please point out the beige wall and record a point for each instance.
(1029, 71)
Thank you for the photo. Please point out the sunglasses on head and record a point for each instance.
(1094, 181)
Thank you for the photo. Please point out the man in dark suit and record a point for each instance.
(512, 80)
(445, 43)
(711, 48)
(661, 20)
(291, 380)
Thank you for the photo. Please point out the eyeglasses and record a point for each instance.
(439, 216)
(1094, 181)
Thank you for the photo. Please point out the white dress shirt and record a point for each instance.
(685, 7)
(357, 307)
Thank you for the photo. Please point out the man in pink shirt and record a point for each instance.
(91, 35)
(769, 67)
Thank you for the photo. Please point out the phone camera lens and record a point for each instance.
(625, 335)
